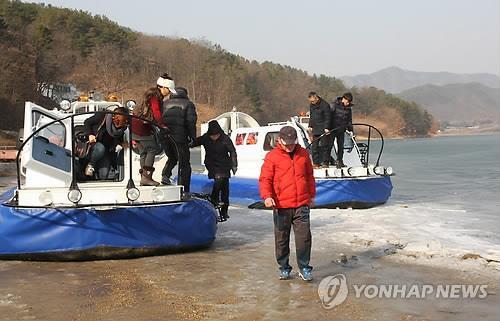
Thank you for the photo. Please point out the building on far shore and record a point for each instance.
(58, 91)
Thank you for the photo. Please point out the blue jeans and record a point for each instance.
(100, 159)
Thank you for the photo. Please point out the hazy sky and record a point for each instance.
(334, 37)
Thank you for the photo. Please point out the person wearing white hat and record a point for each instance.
(166, 85)
(143, 134)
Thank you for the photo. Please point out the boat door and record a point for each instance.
(46, 156)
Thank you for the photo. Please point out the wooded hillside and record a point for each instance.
(42, 45)
(458, 104)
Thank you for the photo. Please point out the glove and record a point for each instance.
(234, 169)
(351, 133)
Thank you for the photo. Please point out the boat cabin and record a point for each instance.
(53, 176)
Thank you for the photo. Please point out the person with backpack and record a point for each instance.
(179, 115)
(220, 160)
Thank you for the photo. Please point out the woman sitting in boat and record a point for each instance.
(220, 159)
(105, 132)
(142, 131)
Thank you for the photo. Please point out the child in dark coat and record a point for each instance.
(220, 159)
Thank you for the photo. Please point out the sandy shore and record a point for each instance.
(236, 279)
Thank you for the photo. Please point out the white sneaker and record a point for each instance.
(89, 170)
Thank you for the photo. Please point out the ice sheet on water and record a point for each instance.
(428, 230)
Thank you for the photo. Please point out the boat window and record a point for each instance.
(304, 120)
(240, 138)
(54, 133)
(252, 138)
(270, 140)
(82, 109)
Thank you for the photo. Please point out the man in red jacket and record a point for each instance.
(286, 183)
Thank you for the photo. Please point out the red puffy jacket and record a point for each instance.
(290, 182)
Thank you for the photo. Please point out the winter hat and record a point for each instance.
(289, 135)
(181, 92)
(214, 128)
(167, 83)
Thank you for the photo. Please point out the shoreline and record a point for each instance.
(12, 142)
(493, 133)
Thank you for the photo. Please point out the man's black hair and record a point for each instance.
(347, 96)
(184, 89)
(121, 110)
(312, 94)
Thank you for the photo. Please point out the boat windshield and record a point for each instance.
(54, 133)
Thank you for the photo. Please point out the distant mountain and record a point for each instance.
(395, 79)
(468, 103)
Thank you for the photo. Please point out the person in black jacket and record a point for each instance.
(179, 115)
(105, 132)
(220, 159)
(319, 124)
(341, 121)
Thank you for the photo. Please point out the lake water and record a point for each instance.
(451, 185)
(450, 172)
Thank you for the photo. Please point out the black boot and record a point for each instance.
(223, 212)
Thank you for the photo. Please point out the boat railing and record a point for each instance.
(278, 123)
(363, 148)
(74, 185)
(81, 107)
